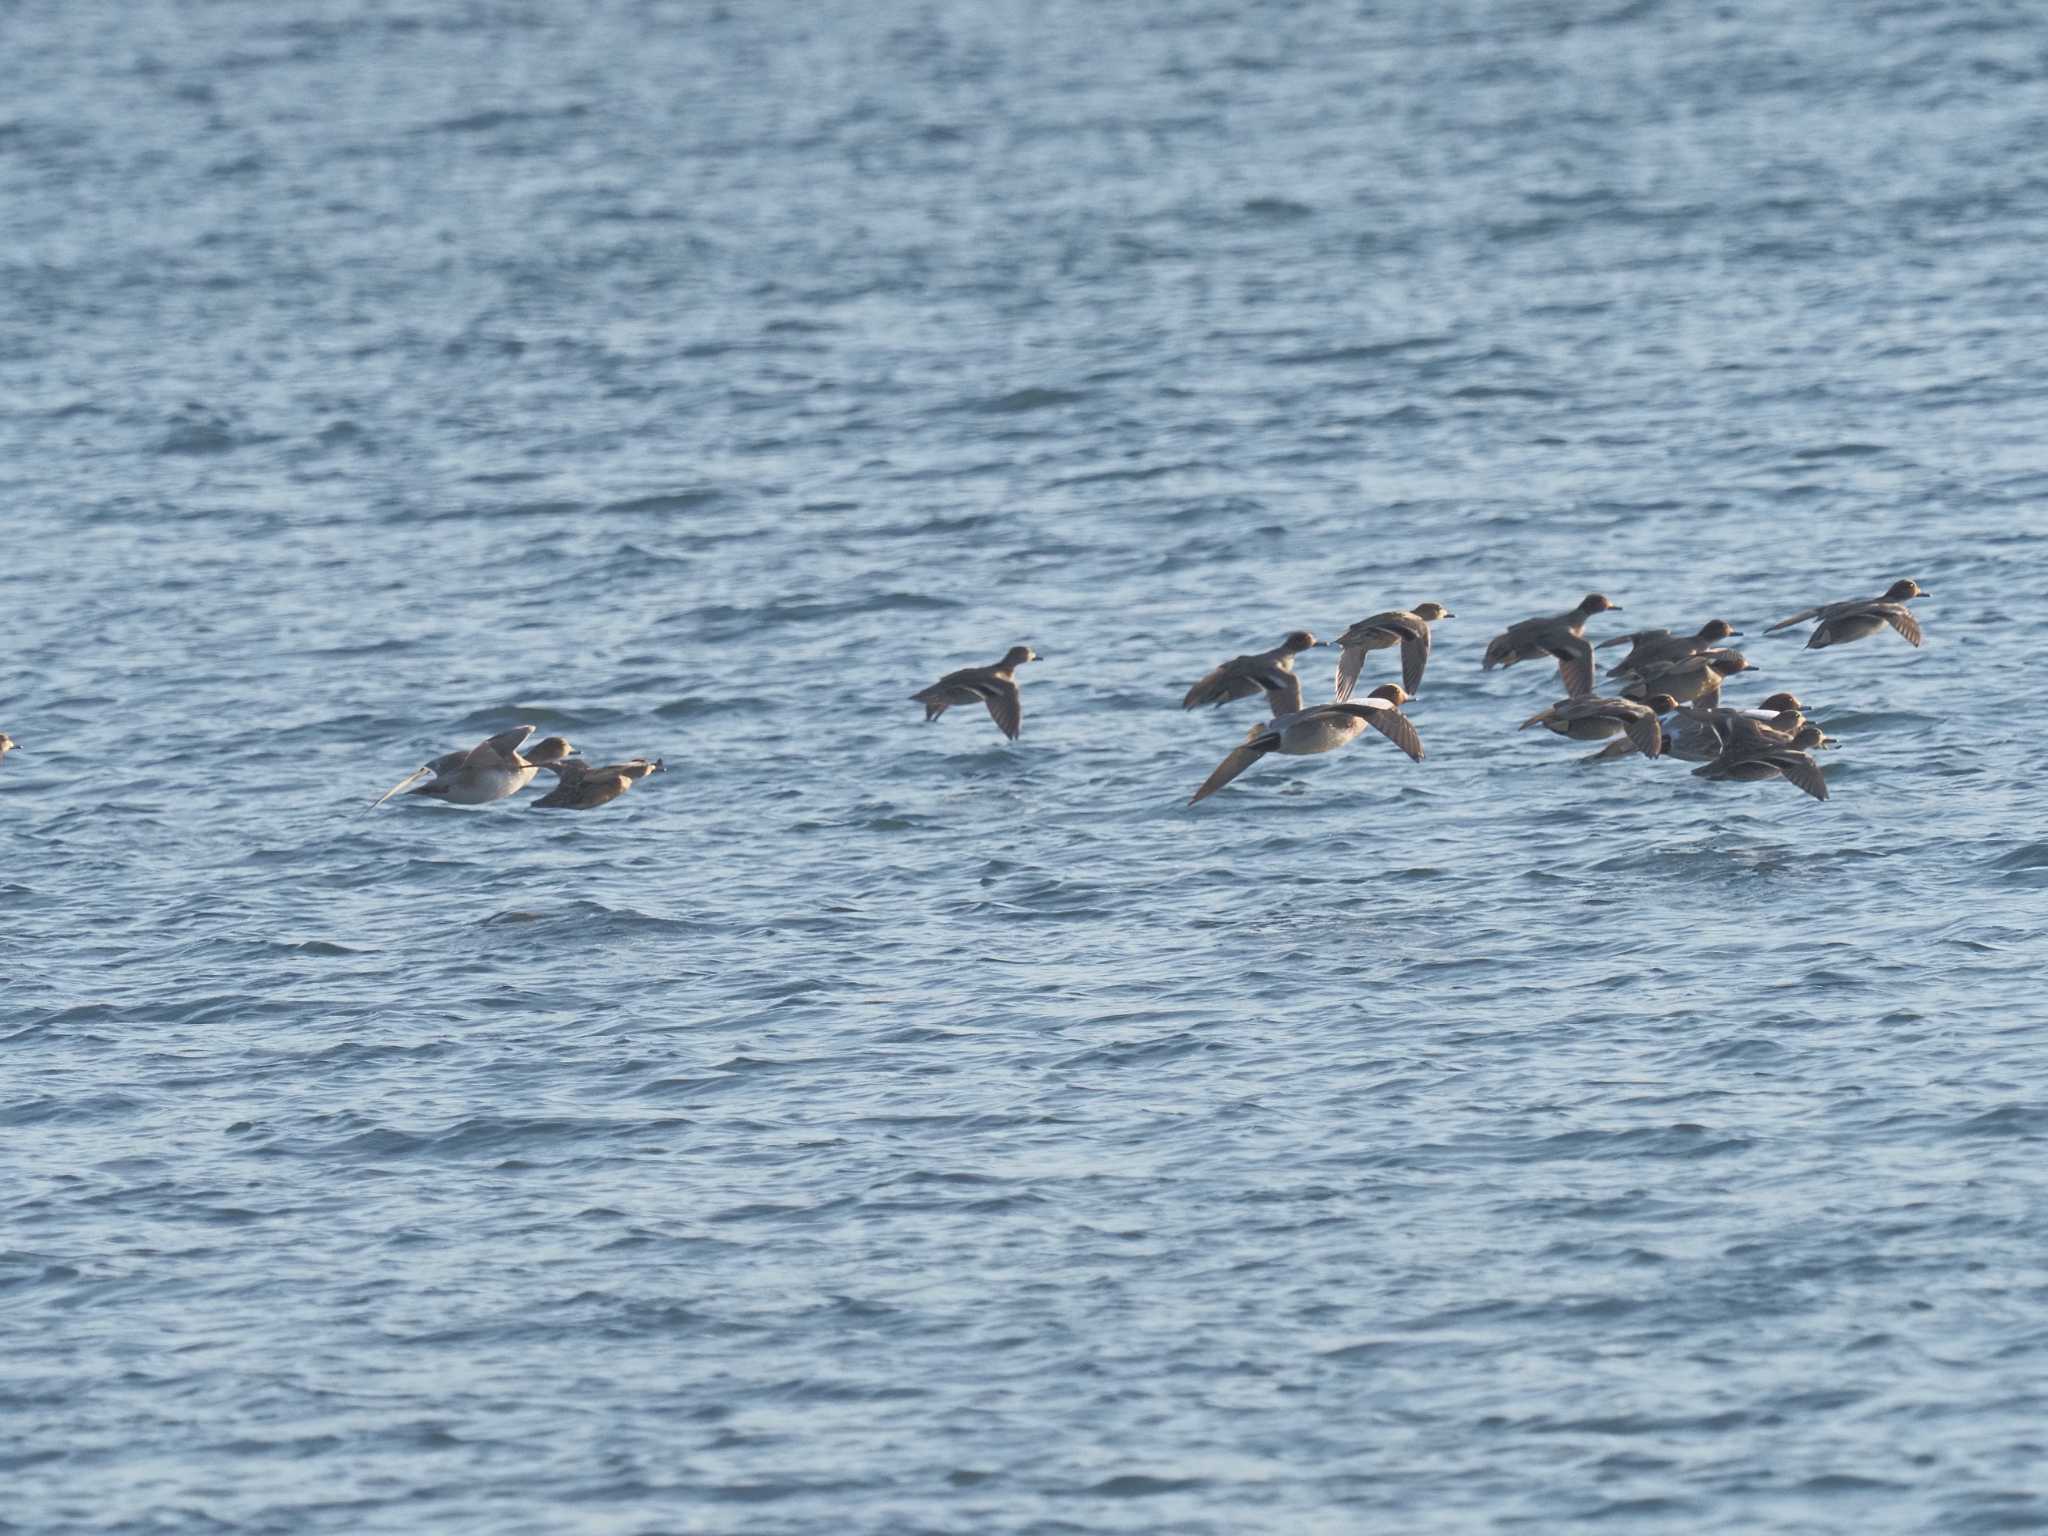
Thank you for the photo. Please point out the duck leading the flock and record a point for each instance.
(1562, 636)
(1860, 616)
(1242, 677)
(490, 770)
(1320, 728)
(995, 686)
(1409, 629)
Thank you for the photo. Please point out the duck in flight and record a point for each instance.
(1593, 719)
(1657, 645)
(490, 770)
(1771, 756)
(1560, 636)
(1407, 628)
(1319, 728)
(995, 686)
(1241, 677)
(1689, 678)
(8, 744)
(1860, 616)
(584, 788)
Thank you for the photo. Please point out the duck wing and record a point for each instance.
(1574, 664)
(1005, 704)
(1385, 719)
(499, 749)
(1238, 678)
(1798, 618)
(405, 783)
(1261, 741)
(1802, 771)
(1634, 638)
(1414, 655)
(1283, 694)
(1900, 617)
(1644, 731)
(1350, 662)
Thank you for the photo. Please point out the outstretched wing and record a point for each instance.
(1645, 732)
(1634, 637)
(1389, 722)
(1238, 678)
(1283, 695)
(1414, 657)
(1900, 617)
(1254, 748)
(1798, 618)
(1574, 665)
(1005, 705)
(403, 785)
(1350, 662)
(499, 748)
(1801, 770)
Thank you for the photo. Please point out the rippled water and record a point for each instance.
(874, 1127)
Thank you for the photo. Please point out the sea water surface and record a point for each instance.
(869, 1126)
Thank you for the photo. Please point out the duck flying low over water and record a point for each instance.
(1561, 636)
(584, 788)
(1771, 757)
(995, 686)
(1654, 645)
(1407, 628)
(1688, 679)
(490, 770)
(1860, 616)
(1320, 728)
(1696, 733)
(8, 744)
(1592, 719)
(1242, 677)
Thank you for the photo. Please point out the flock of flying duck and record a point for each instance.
(1667, 704)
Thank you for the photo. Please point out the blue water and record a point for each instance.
(874, 1127)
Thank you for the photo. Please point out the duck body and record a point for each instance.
(1772, 757)
(584, 788)
(1650, 646)
(994, 685)
(1244, 677)
(1688, 678)
(1320, 728)
(1407, 629)
(1560, 636)
(1597, 719)
(1860, 617)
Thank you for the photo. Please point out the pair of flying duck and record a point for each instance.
(496, 768)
